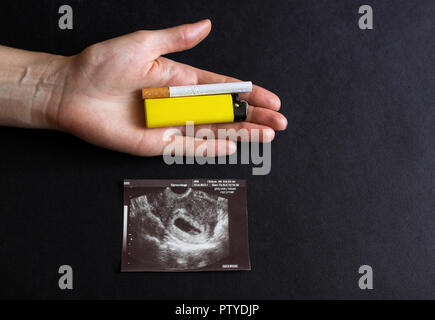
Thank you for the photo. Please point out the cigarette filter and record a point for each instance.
(166, 112)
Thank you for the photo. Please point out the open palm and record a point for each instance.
(102, 103)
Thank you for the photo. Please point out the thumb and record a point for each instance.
(178, 38)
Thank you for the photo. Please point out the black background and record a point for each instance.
(352, 178)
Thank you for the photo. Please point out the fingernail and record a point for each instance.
(276, 102)
(203, 21)
(232, 147)
(268, 135)
(282, 123)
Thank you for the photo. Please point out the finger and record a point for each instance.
(191, 146)
(264, 118)
(267, 117)
(236, 131)
(259, 96)
(177, 74)
(177, 38)
(170, 140)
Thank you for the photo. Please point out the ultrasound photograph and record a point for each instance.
(185, 225)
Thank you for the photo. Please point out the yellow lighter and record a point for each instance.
(218, 108)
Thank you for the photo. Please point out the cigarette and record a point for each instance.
(197, 90)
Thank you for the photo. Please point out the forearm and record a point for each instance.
(31, 87)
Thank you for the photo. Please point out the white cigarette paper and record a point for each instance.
(208, 89)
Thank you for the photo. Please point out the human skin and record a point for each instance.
(95, 95)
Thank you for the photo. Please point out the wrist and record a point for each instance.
(31, 88)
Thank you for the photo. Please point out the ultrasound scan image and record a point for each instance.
(184, 225)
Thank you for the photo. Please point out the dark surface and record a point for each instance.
(352, 181)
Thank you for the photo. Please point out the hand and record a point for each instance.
(100, 99)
